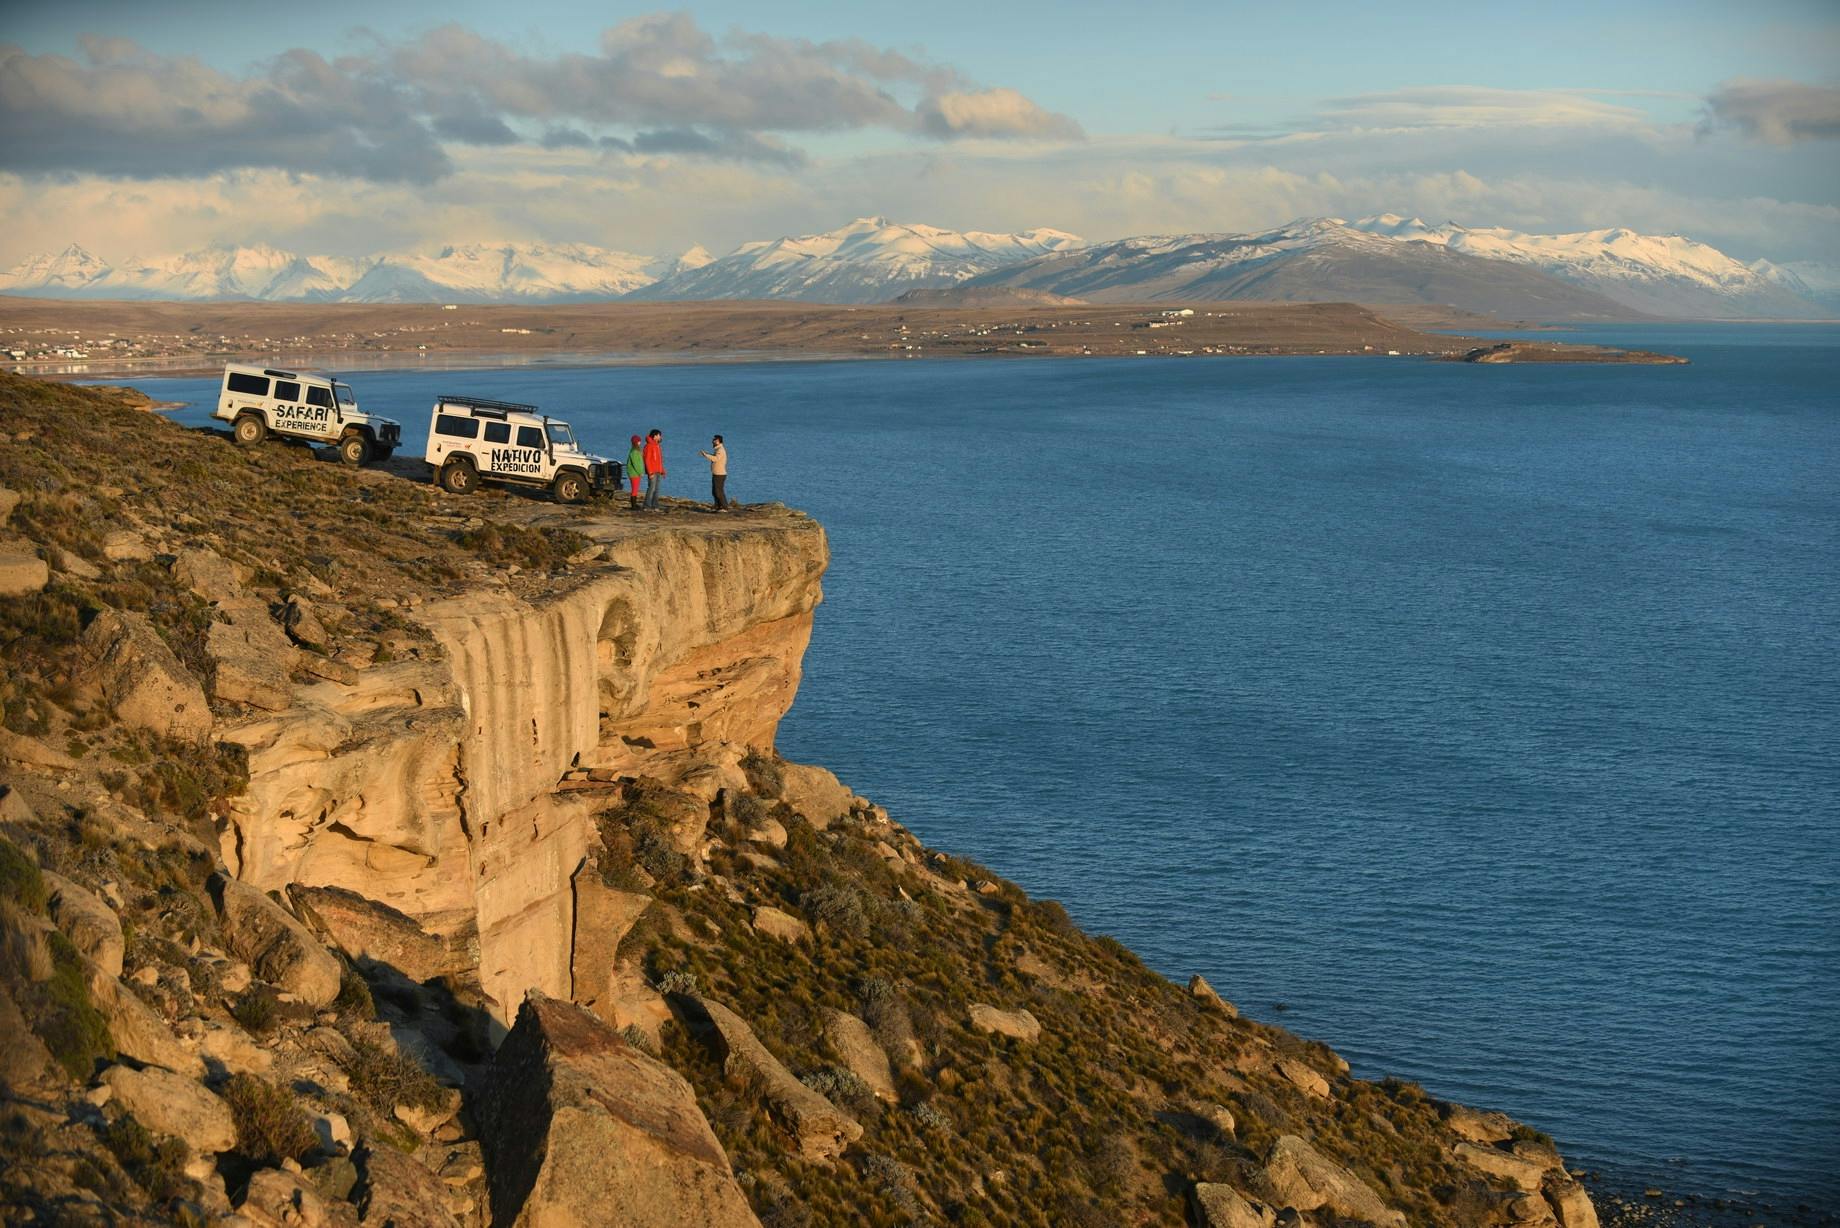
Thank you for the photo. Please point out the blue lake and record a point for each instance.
(1483, 722)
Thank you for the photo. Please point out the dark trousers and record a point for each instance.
(718, 489)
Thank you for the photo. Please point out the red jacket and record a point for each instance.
(654, 456)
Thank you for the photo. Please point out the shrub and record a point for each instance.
(157, 1165)
(763, 774)
(65, 1017)
(1522, 1132)
(354, 995)
(930, 1119)
(388, 1079)
(837, 906)
(20, 880)
(678, 981)
(255, 1008)
(270, 1126)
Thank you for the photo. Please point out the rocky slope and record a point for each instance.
(370, 855)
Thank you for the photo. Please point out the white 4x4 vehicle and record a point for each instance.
(259, 402)
(471, 440)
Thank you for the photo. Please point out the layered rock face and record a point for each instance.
(431, 787)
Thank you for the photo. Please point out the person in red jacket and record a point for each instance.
(654, 468)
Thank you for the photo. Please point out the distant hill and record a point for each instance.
(984, 296)
(872, 260)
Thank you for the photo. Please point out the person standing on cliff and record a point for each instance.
(718, 473)
(654, 468)
(635, 470)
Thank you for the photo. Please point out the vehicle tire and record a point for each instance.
(249, 430)
(353, 449)
(458, 478)
(569, 487)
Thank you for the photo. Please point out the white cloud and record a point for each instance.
(991, 113)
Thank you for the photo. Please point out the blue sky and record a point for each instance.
(149, 128)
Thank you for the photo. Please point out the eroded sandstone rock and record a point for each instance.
(1222, 1206)
(1019, 1024)
(1303, 1076)
(91, 925)
(168, 1103)
(581, 1128)
(134, 672)
(819, 1129)
(368, 930)
(861, 1055)
(1304, 1178)
(815, 793)
(134, 1029)
(1523, 1171)
(1202, 992)
(21, 570)
(277, 947)
(775, 923)
(253, 659)
(396, 1191)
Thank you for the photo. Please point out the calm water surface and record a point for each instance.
(1487, 718)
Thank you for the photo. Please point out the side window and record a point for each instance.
(530, 437)
(248, 385)
(454, 424)
(319, 396)
(498, 432)
(286, 390)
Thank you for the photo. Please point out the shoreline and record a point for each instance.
(74, 340)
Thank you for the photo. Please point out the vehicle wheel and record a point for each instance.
(458, 478)
(353, 449)
(249, 430)
(569, 488)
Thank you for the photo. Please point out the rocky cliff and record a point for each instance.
(373, 855)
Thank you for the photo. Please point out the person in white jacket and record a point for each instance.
(718, 473)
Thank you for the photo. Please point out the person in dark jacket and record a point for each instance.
(635, 469)
(654, 468)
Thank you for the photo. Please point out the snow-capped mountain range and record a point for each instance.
(871, 260)
(1383, 259)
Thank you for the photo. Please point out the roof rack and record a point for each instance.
(499, 408)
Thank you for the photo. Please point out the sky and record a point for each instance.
(348, 129)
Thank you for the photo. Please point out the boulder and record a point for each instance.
(9, 499)
(1222, 1206)
(125, 546)
(770, 832)
(253, 658)
(1218, 1116)
(1571, 1204)
(279, 1198)
(227, 1048)
(22, 572)
(1020, 1025)
(1521, 1171)
(603, 917)
(30, 752)
(134, 1029)
(1202, 992)
(76, 565)
(581, 1128)
(301, 620)
(819, 1129)
(207, 574)
(1475, 1125)
(814, 793)
(1303, 1076)
(367, 930)
(861, 1055)
(399, 1192)
(167, 1103)
(136, 674)
(91, 925)
(276, 946)
(781, 925)
(1302, 1177)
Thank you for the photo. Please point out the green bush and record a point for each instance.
(157, 1165)
(388, 1079)
(255, 1008)
(20, 880)
(65, 1017)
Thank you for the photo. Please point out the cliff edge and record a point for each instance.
(373, 855)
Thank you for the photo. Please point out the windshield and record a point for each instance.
(344, 394)
(560, 434)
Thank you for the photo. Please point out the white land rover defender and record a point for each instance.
(306, 405)
(471, 440)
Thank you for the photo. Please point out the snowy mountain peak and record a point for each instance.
(871, 259)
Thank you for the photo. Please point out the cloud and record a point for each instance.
(999, 113)
(1775, 112)
(1474, 106)
(658, 84)
(125, 111)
